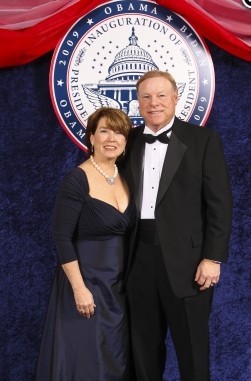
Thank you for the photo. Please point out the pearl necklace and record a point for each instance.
(110, 179)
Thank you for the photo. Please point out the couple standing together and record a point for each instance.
(152, 229)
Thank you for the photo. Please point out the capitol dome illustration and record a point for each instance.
(131, 62)
(118, 89)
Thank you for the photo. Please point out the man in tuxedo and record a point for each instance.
(184, 205)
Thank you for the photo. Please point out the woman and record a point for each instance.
(85, 335)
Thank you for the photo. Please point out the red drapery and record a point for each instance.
(33, 29)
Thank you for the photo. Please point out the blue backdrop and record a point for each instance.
(36, 153)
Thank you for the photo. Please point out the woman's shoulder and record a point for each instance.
(74, 181)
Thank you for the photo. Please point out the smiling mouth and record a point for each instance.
(155, 112)
(110, 147)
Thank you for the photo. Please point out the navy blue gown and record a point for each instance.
(74, 348)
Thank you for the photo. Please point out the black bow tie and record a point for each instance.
(163, 138)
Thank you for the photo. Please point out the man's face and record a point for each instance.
(157, 102)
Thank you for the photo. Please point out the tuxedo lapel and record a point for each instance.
(174, 155)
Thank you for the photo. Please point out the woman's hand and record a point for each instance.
(84, 301)
(83, 297)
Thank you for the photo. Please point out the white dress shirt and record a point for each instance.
(153, 163)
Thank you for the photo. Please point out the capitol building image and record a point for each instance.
(120, 84)
(131, 62)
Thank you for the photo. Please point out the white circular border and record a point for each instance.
(246, 5)
(70, 45)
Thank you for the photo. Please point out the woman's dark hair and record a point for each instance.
(116, 120)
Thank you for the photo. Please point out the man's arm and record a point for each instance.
(218, 198)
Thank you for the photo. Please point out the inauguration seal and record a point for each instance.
(101, 57)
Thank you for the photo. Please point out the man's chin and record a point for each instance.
(156, 126)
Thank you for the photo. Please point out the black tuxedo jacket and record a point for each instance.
(194, 203)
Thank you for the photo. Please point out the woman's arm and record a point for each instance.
(68, 207)
(83, 297)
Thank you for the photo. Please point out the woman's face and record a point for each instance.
(108, 144)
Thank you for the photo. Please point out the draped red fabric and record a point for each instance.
(19, 47)
(25, 45)
(209, 28)
(231, 14)
(16, 14)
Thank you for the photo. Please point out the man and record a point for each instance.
(184, 203)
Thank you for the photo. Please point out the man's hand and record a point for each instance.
(208, 274)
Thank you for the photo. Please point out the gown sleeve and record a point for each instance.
(68, 206)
